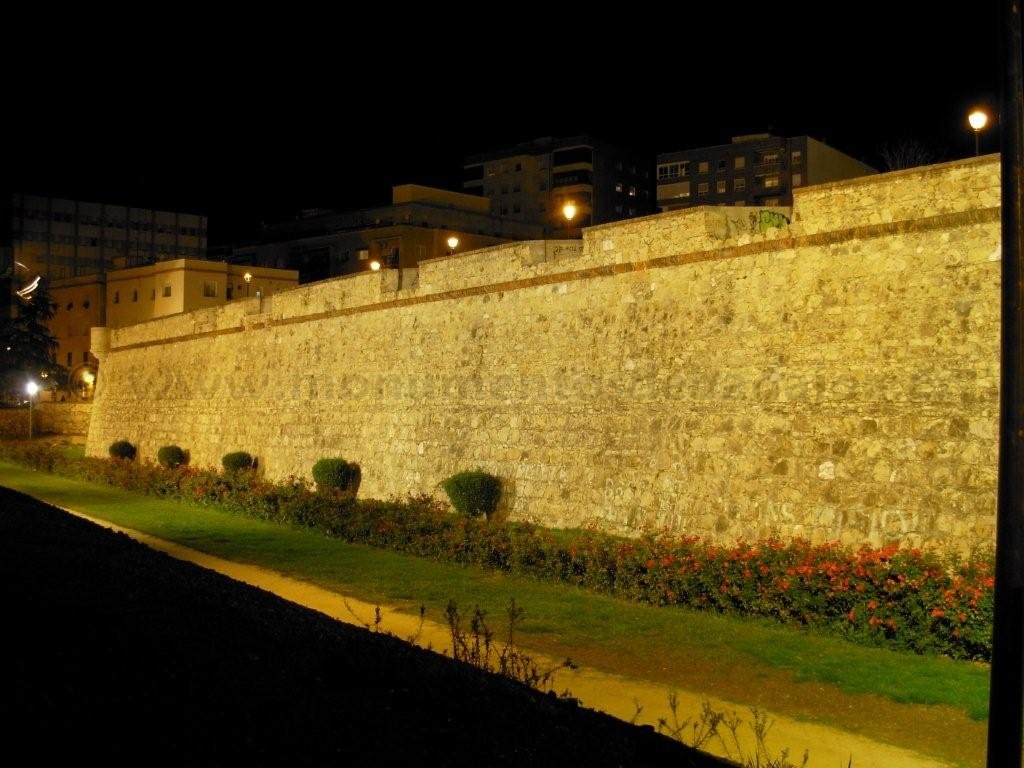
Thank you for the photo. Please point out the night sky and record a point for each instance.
(255, 122)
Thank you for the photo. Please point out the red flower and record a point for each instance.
(938, 613)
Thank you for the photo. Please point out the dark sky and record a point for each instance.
(255, 120)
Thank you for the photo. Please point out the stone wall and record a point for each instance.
(47, 419)
(705, 370)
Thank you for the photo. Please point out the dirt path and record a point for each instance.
(616, 695)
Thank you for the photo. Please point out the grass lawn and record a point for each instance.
(752, 661)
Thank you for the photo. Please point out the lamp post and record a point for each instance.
(569, 212)
(978, 120)
(453, 243)
(88, 378)
(248, 279)
(31, 388)
(375, 265)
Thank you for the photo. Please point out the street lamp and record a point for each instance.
(31, 388)
(248, 279)
(375, 265)
(453, 243)
(978, 120)
(88, 378)
(569, 212)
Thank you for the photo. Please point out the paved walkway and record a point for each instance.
(618, 696)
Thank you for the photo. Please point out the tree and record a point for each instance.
(27, 345)
(909, 153)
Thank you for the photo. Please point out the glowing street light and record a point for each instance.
(978, 120)
(31, 388)
(569, 212)
(375, 265)
(453, 243)
(248, 279)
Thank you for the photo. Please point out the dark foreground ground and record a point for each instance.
(113, 652)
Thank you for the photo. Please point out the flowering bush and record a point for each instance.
(895, 597)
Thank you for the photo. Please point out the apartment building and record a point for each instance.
(758, 169)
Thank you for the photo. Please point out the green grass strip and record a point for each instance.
(557, 615)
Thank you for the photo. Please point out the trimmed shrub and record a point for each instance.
(237, 461)
(122, 449)
(473, 493)
(171, 456)
(337, 473)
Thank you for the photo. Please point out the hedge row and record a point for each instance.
(891, 597)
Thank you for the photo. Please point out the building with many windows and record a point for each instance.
(415, 227)
(58, 238)
(760, 169)
(531, 182)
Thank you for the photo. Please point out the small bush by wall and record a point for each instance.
(171, 456)
(473, 493)
(337, 473)
(236, 461)
(122, 449)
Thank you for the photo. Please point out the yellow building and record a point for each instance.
(127, 296)
(79, 306)
(182, 285)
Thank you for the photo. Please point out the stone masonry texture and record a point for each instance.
(827, 371)
(47, 419)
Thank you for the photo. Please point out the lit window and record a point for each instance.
(702, 167)
(720, 187)
(797, 155)
(770, 157)
(741, 163)
(618, 186)
(702, 189)
(632, 191)
(739, 185)
(797, 179)
(771, 182)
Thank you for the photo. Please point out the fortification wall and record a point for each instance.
(47, 419)
(702, 370)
